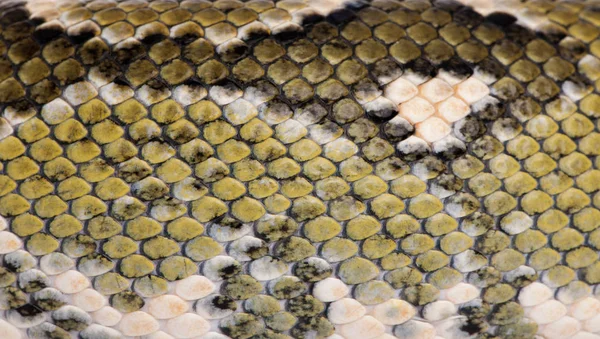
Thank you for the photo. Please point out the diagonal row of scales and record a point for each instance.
(299, 169)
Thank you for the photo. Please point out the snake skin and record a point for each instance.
(299, 169)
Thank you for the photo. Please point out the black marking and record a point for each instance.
(457, 68)
(128, 51)
(490, 109)
(501, 19)
(48, 33)
(224, 303)
(449, 149)
(421, 67)
(233, 51)
(473, 326)
(28, 310)
(312, 19)
(491, 67)
(152, 39)
(469, 129)
(255, 35)
(289, 33)
(467, 17)
(448, 5)
(519, 34)
(341, 16)
(82, 36)
(186, 38)
(229, 271)
(381, 112)
(553, 34)
(398, 129)
(122, 81)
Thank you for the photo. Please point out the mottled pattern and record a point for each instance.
(306, 169)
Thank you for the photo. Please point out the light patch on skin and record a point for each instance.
(558, 319)
(434, 105)
(325, 7)
(351, 317)
(559, 313)
(525, 17)
(45, 9)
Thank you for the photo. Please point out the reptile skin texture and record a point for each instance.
(306, 169)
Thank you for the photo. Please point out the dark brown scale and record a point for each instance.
(48, 32)
(467, 17)
(519, 34)
(449, 151)
(469, 128)
(13, 15)
(311, 19)
(500, 19)
(255, 35)
(382, 113)
(397, 130)
(152, 39)
(473, 326)
(122, 81)
(128, 51)
(34, 285)
(229, 222)
(83, 33)
(28, 310)
(422, 68)
(491, 68)
(448, 5)
(457, 68)
(233, 51)
(338, 17)
(490, 110)
(289, 34)
(553, 34)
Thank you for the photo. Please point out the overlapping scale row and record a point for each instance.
(306, 169)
